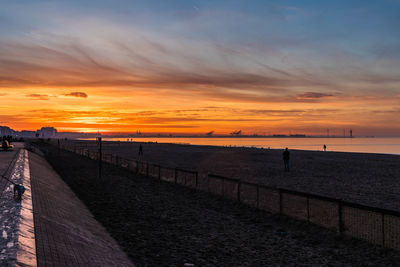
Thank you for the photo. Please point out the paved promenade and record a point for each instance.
(17, 243)
(6, 158)
(66, 232)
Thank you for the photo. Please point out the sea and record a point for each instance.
(385, 145)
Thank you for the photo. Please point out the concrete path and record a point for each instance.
(66, 232)
(17, 241)
(6, 164)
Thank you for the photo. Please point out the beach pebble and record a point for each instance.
(10, 244)
(188, 265)
(5, 234)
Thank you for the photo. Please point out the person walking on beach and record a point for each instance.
(140, 151)
(324, 147)
(286, 159)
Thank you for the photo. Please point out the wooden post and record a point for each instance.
(308, 208)
(223, 187)
(383, 229)
(185, 177)
(238, 191)
(208, 182)
(340, 219)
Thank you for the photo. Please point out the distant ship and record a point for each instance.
(236, 132)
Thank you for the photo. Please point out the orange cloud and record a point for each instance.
(77, 94)
(312, 95)
(38, 96)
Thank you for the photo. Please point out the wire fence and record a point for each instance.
(376, 225)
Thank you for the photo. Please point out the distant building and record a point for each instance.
(27, 134)
(47, 132)
(4, 130)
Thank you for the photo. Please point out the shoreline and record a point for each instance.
(230, 136)
(359, 146)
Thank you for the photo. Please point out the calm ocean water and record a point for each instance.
(368, 145)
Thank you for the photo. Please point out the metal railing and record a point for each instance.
(376, 225)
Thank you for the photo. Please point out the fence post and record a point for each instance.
(308, 208)
(280, 201)
(383, 229)
(223, 187)
(238, 192)
(340, 216)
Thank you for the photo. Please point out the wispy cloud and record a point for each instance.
(38, 96)
(312, 95)
(77, 94)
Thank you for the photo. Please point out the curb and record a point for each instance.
(26, 254)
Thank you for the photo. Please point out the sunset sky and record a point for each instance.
(187, 66)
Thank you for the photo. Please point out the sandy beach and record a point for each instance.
(162, 224)
(369, 179)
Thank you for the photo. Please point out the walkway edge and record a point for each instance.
(26, 255)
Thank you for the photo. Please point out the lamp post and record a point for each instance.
(100, 156)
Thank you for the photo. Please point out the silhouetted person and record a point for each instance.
(5, 145)
(324, 147)
(286, 159)
(140, 151)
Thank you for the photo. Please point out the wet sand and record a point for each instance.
(369, 179)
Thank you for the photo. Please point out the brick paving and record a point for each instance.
(66, 232)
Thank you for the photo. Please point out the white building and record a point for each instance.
(47, 132)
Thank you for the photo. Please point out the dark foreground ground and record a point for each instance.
(161, 224)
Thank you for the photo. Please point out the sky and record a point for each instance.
(194, 66)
